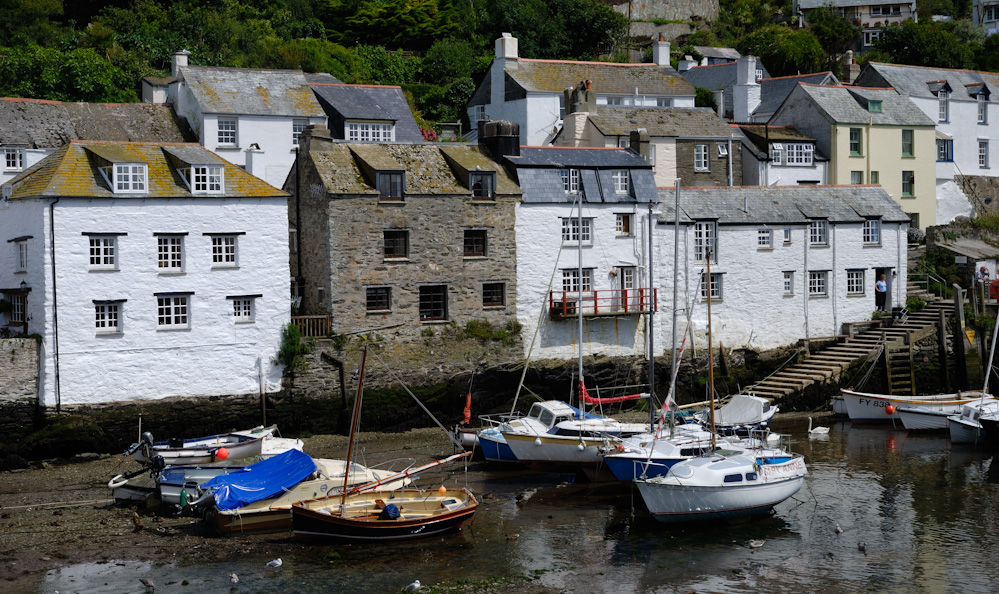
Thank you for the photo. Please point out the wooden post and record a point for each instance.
(942, 349)
(960, 360)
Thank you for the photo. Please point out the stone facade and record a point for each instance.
(718, 164)
(648, 10)
(18, 370)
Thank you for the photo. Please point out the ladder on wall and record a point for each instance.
(900, 369)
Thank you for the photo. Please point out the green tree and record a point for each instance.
(784, 51)
(76, 75)
(32, 22)
(925, 44)
(558, 29)
(834, 33)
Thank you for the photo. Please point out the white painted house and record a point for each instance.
(967, 120)
(249, 117)
(148, 269)
(531, 92)
(781, 156)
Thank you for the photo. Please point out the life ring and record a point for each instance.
(115, 483)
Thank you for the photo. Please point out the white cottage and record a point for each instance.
(148, 269)
(250, 117)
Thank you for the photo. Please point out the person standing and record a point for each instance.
(881, 293)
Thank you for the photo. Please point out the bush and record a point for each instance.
(915, 235)
(914, 304)
(483, 330)
(293, 348)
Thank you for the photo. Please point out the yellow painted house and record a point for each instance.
(872, 136)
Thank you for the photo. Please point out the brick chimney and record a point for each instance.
(747, 90)
(850, 68)
(638, 140)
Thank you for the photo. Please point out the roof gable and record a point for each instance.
(251, 91)
(368, 102)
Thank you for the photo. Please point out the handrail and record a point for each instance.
(603, 302)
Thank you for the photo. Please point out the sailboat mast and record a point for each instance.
(353, 427)
(579, 301)
(711, 355)
(676, 266)
(651, 330)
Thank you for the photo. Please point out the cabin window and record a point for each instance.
(733, 478)
(751, 476)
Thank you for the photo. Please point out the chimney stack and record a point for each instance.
(506, 47)
(747, 90)
(502, 138)
(686, 64)
(660, 51)
(638, 140)
(179, 61)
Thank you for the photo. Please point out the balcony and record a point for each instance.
(610, 302)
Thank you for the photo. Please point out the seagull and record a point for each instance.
(755, 544)
(862, 547)
(817, 430)
(274, 563)
(148, 583)
(412, 587)
(233, 578)
(839, 529)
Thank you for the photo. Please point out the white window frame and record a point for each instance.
(126, 178)
(871, 36)
(570, 180)
(789, 282)
(705, 239)
(570, 280)
(369, 131)
(818, 232)
(621, 181)
(228, 132)
(13, 159)
(479, 112)
(787, 235)
(722, 150)
(714, 289)
(818, 283)
(799, 154)
(298, 125)
(107, 317)
(22, 256)
(244, 309)
(764, 239)
(855, 282)
(943, 105)
(173, 312)
(983, 108)
(872, 232)
(701, 160)
(571, 231)
(103, 250)
(207, 179)
(624, 224)
(170, 253)
(983, 154)
(225, 250)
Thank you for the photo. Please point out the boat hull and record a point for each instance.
(628, 468)
(964, 431)
(873, 408)
(921, 418)
(494, 447)
(555, 451)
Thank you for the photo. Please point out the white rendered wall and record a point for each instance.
(542, 118)
(785, 175)
(31, 156)
(215, 356)
(19, 219)
(272, 134)
(952, 202)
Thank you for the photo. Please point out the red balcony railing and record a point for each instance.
(609, 302)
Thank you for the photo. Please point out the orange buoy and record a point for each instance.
(890, 409)
(221, 453)
(442, 490)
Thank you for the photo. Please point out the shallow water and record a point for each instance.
(927, 511)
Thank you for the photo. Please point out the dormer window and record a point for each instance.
(620, 177)
(207, 179)
(874, 106)
(983, 106)
(369, 132)
(391, 185)
(126, 178)
(14, 159)
(482, 184)
(943, 99)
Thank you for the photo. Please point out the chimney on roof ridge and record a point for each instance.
(660, 51)
(506, 47)
(747, 90)
(686, 64)
(179, 61)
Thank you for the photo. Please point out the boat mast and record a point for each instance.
(579, 300)
(711, 354)
(651, 330)
(353, 427)
(676, 265)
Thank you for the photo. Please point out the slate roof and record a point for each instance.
(810, 4)
(367, 102)
(773, 91)
(848, 105)
(916, 80)
(72, 172)
(719, 77)
(726, 53)
(676, 121)
(538, 173)
(322, 77)
(782, 205)
(37, 123)
(758, 135)
(251, 91)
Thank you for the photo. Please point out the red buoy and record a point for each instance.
(890, 409)
(221, 453)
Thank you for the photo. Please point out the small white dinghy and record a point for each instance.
(203, 450)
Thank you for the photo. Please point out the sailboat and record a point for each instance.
(967, 426)
(723, 483)
(364, 515)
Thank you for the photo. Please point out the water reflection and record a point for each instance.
(925, 510)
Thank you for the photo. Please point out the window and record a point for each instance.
(224, 251)
(297, 127)
(777, 153)
(870, 37)
(22, 255)
(651, 157)
(722, 150)
(620, 181)
(818, 232)
(391, 186)
(872, 232)
(171, 311)
(433, 303)
(856, 177)
(664, 102)
(242, 309)
(614, 101)
(855, 141)
(103, 252)
(875, 11)
(764, 238)
(623, 142)
(475, 243)
(125, 178)
(14, 160)
(493, 294)
(759, 74)
(875, 177)
(788, 282)
(908, 181)
(370, 132)
(572, 233)
(18, 303)
(817, 283)
(715, 289)
(622, 224)
(787, 235)
(570, 180)
(983, 154)
(704, 241)
(207, 179)
(378, 298)
(945, 149)
(989, 13)
(799, 153)
(700, 157)
(170, 253)
(570, 280)
(943, 105)
(396, 243)
(873, 106)
(855, 282)
(107, 316)
(227, 132)
(479, 113)
(907, 143)
(483, 185)
(983, 108)
(913, 219)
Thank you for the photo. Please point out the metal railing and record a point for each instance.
(313, 326)
(609, 302)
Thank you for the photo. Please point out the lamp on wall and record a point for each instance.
(24, 287)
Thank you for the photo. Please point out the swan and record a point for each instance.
(817, 430)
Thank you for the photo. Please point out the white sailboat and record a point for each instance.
(966, 427)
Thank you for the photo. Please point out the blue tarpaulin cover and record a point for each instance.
(261, 480)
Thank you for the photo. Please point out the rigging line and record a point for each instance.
(408, 391)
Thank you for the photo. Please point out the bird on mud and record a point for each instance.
(756, 544)
(839, 529)
(862, 547)
(412, 587)
(136, 523)
(148, 583)
(233, 578)
(275, 563)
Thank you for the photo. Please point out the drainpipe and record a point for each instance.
(730, 172)
(833, 283)
(804, 288)
(55, 306)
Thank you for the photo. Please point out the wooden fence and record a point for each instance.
(313, 326)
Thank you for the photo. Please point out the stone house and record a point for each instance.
(960, 102)
(871, 136)
(400, 238)
(780, 156)
(530, 92)
(32, 129)
(367, 113)
(870, 15)
(250, 117)
(787, 263)
(148, 269)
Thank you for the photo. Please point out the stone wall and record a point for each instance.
(671, 10)
(18, 371)
(717, 175)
